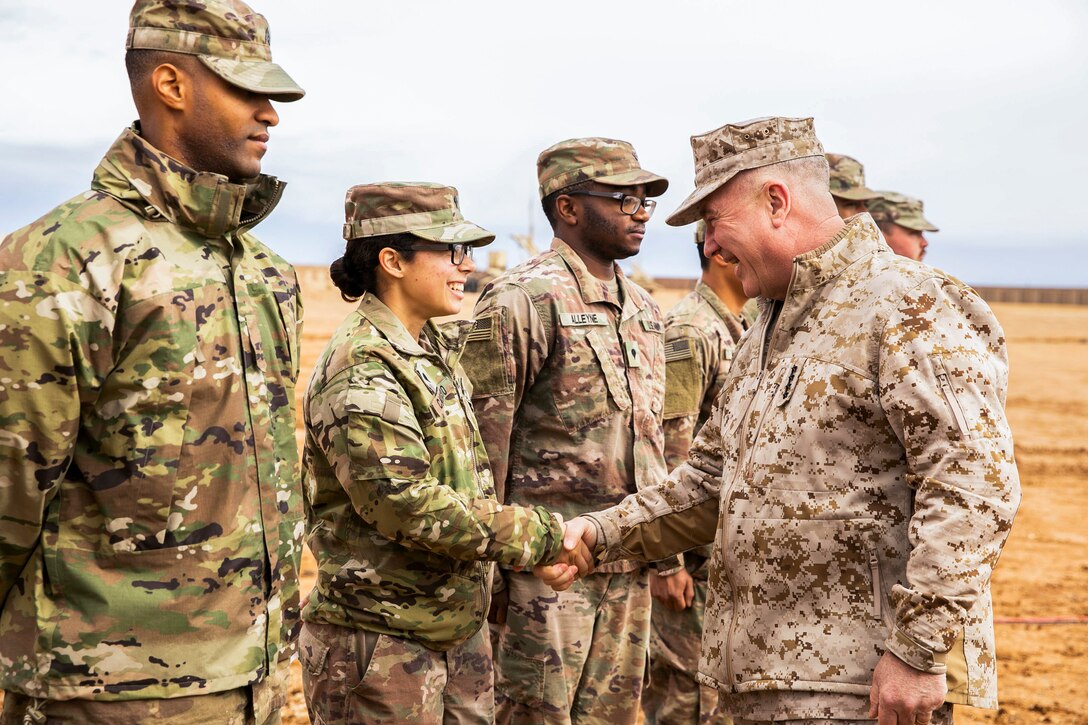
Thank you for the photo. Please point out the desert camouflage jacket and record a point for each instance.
(700, 336)
(400, 502)
(569, 385)
(152, 513)
(859, 474)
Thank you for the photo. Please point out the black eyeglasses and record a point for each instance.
(628, 204)
(459, 251)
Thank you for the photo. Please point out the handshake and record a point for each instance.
(576, 559)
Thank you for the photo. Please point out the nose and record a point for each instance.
(641, 214)
(468, 264)
(266, 112)
(710, 246)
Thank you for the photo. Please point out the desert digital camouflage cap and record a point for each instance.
(906, 211)
(735, 147)
(604, 160)
(848, 179)
(428, 211)
(226, 35)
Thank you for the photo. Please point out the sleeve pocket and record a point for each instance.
(683, 388)
(486, 359)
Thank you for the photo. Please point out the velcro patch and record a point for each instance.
(677, 350)
(582, 319)
(653, 326)
(482, 329)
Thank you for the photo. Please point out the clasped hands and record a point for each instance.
(576, 559)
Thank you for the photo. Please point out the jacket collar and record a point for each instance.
(858, 238)
(594, 290)
(445, 343)
(711, 297)
(155, 185)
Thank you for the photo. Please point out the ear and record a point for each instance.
(391, 263)
(566, 210)
(779, 202)
(171, 86)
(717, 261)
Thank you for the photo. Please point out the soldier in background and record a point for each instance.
(151, 529)
(857, 475)
(902, 223)
(400, 505)
(847, 183)
(701, 332)
(568, 369)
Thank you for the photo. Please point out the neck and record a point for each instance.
(600, 268)
(729, 294)
(401, 307)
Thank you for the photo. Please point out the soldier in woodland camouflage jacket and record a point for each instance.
(568, 369)
(857, 475)
(152, 515)
(401, 508)
(701, 333)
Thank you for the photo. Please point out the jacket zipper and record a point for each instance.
(953, 402)
(266, 209)
(874, 570)
(742, 454)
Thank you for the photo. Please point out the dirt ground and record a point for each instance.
(1043, 574)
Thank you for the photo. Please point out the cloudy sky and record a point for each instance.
(976, 107)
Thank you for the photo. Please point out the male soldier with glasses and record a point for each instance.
(152, 514)
(568, 368)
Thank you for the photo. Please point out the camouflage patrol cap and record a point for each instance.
(906, 211)
(428, 211)
(735, 147)
(226, 35)
(848, 179)
(604, 160)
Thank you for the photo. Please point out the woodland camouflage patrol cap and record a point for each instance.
(428, 211)
(906, 211)
(848, 179)
(228, 37)
(604, 160)
(725, 152)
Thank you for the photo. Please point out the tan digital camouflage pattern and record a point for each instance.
(724, 152)
(354, 677)
(401, 509)
(861, 482)
(576, 656)
(228, 36)
(428, 211)
(700, 336)
(604, 160)
(149, 474)
(906, 211)
(848, 178)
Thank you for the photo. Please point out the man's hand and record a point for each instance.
(902, 695)
(675, 591)
(579, 539)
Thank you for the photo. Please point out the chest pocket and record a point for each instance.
(589, 383)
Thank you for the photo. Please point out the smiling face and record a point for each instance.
(434, 286)
(226, 129)
(738, 227)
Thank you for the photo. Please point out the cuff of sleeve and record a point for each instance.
(918, 656)
(668, 567)
(554, 523)
(608, 535)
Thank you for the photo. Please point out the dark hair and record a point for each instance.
(140, 62)
(704, 263)
(548, 202)
(356, 273)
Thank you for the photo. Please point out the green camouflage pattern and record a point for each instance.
(256, 704)
(149, 475)
(400, 504)
(604, 160)
(355, 677)
(228, 36)
(577, 656)
(569, 384)
(724, 152)
(859, 473)
(847, 179)
(906, 211)
(428, 211)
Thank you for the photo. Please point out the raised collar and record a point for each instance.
(711, 297)
(155, 185)
(858, 238)
(594, 290)
(446, 345)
